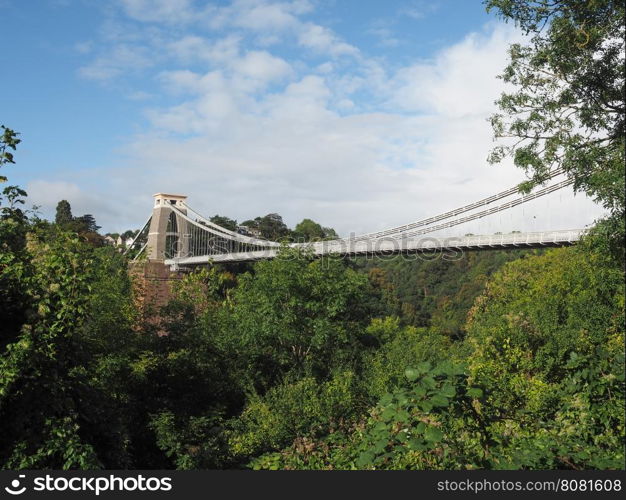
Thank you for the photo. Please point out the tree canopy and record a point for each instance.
(63, 213)
(8, 143)
(566, 109)
(225, 222)
(309, 230)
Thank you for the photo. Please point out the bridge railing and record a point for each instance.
(401, 245)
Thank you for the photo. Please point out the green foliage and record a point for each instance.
(309, 230)
(417, 426)
(194, 443)
(85, 224)
(62, 446)
(225, 222)
(567, 109)
(428, 423)
(305, 408)
(205, 289)
(548, 342)
(15, 196)
(8, 141)
(46, 395)
(436, 291)
(542, 388)
(14, 267)
(400, 347)
(63, 213)
(181, 389)
(297, 314)
(216, 381)
(494, 360)
(270, 227)
(607, 237)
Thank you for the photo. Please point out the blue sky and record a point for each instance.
(359, 114)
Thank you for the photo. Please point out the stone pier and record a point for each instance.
(164, 241)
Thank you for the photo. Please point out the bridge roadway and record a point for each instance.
(388, 246)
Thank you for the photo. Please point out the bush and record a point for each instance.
(305, 408)
(547, 342)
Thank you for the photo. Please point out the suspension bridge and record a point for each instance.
(180, 237)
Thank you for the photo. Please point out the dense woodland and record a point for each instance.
(498, 360)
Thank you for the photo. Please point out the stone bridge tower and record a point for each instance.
(166, 236)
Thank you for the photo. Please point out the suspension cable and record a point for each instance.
(499, 208)
(447, 215)
(227, 232)
(139, 233)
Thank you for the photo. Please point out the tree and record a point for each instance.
(225, 222)
(129, 233)
(567, 110)
(309, 230)
(64, 213)
(54, 409)
(185, 383)
(8, 140)
(252, 223)
(14, 226)
(272, 227)
(296, 314)
(86, 224)
(330, 233)
(547, 342)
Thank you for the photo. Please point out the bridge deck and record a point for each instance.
(388, 246)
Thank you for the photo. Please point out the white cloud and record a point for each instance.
(167, 11)
(132, 47)
(121, 59)
(193, 47)
(291, 152)
(272, 21)
(50, 193)
(258, 68)
(186, 81)
(262, 16)
(460, 80)
(250, 73)
(326, 67)
(46, 194)
(344, 140)
(323, 40)
(420, 9)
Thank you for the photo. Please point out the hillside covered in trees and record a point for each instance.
(499, 360)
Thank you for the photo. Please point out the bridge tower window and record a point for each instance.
(172, 224)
